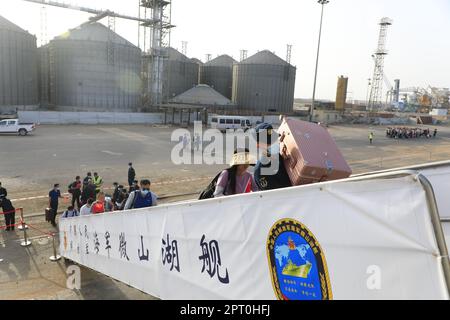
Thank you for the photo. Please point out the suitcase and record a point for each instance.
(310, 154)
(48, 214)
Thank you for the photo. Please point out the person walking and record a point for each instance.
(236, 179)
(9, 212)
(371, 138)
(53, 200)
(270, 172)
(98, 181)
(3, 192)
(75, 190)
(142, 198)
(434, 136)
(131, 174)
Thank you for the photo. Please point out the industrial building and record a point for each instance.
(265, 83)
(181, 73)
(218, 74)
(202, 95)
(18, 67)
(90, 68)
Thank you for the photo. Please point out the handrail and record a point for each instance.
(413, 167)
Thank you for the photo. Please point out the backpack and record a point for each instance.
(208, 193)
(142, 202)
(70, 187)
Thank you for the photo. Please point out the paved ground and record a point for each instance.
(30, 165)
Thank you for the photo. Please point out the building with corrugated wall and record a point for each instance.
(218, 74)
(90, 68)
(18, 67)
(264, 82)
(181, 74)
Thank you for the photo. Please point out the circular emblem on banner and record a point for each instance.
(297, 263)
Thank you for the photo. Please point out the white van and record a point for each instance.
(223, 123)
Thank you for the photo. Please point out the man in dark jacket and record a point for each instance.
(88, 192)
(131, 174)
(9, 212)
(75, 190)
(268, 175)
(3, 192)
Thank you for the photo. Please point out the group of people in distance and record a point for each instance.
(410, 133)
(88, 196)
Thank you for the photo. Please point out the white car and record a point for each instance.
(14, 126)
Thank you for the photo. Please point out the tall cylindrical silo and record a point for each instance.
(91, 68)
(264, 82)
(18, 67)
(218, 74)
(181, 74)
(341, 93)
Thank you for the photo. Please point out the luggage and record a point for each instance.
(310, 154)
(48, 214)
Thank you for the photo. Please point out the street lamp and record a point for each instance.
(323, 3)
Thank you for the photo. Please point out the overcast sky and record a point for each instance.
(418, 41)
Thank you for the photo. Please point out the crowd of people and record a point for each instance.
(88, 196)
(410, 133)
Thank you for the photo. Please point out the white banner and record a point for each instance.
(360, 238)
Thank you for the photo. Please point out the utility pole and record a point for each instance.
(311, 113)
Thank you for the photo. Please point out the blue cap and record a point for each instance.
(263, 126)
(265, 129)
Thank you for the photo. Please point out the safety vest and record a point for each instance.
(98, 182)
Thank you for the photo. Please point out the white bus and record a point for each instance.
(223, 123)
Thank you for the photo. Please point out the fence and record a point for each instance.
(53, 117)
(312, 242)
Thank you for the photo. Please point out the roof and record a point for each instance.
(202, 94)
(196, 60)
(176, 55)
(265, 57)
(93, 32)
(6, 24)
(221, 61)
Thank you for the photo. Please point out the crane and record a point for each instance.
(99, 14)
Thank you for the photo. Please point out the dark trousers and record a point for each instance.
(10, 219)
(54, 207)
(76, 199)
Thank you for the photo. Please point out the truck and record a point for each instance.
(15, 126)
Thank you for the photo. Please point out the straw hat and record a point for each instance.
(242, 158)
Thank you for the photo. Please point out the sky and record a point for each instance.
(418, 41)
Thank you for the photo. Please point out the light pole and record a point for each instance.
(323, 3)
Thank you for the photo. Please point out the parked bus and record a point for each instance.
(223, 123)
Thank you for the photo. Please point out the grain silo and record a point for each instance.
(218, 74)
(200, 63)
(91, 68)
(18, 67)
(181, 74)
(265, 83)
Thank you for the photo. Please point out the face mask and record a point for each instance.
(145, 192)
